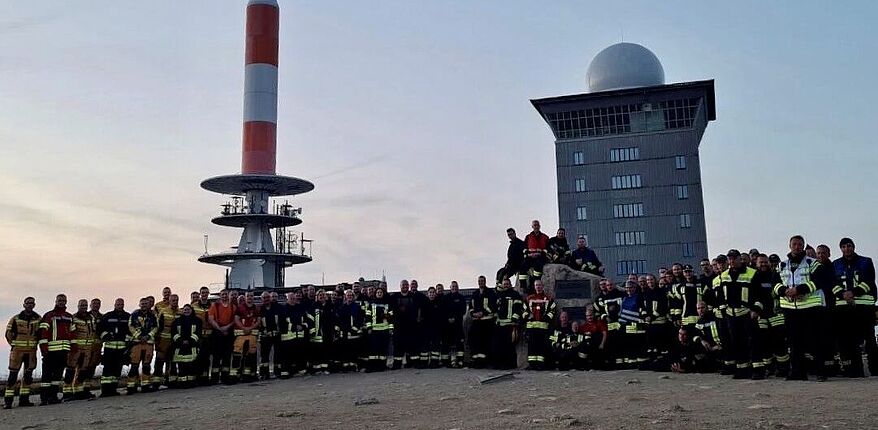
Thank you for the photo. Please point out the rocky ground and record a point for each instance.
(455, 399)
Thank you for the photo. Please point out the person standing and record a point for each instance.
(185, 335)
(454, 305)
(54, 340)
(294, 348)
(22, 336)
(379, 326)
(539, 314)
(165, 372)
(245, 346)
(350, 323)
(740, 296)
(509, 312)
(115, 332)
(272, 316)
(95, 359)
(143, 327)
(514, 266)
(856, 292)
(772, 325)
(83, 328)
(221, 318)
(405, 321)
(535, 257)
(321, 323)
(200, 310)
(482, 310)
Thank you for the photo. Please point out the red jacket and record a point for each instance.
(56, 331)
(536, 241)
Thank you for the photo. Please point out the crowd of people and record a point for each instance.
(746, 314)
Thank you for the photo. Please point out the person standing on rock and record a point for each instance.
(535, 258)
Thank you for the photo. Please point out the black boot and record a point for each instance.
(24, 400)
(758, 374)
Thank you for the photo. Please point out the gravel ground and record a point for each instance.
(455, 399)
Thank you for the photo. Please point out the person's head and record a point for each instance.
(454, 287)
(431, 293)
(722, 263)
(370, 291)
(538, 286)
(701, 308)
(320, 296)
(357, 287)
(379, 293)
(510, 233)
(265, 297)
(562, 233)
(651, 281)
(847, 247)
(404, 286)
(482, 282)
(689, 273)
(677, 270)
(535, 225)
(823, 253)
(606, 285)
(273, 297)
(632, 277)
(774, 260)
(29, 303)
(507, 284)
(204, 294)
(580, 243)
(144, 305)
(349, 296)
(754, 253)
(193, 297)
(745, 259)
(311, 293)
(61, 301)
(734, 257)
(151, 301)
(706, 267)
(331, 296)
(298, 294)
(174, 301)
(119, 304)
(95, 305)
(563, 318)
(440, 289)
(641, 280)
(574, 326)
(589, 314)
(683, 335)
(762, 263)
(187, 309)
(797, 245)
(631, 288)
(414, 285)
(166, 294)
(291, 298)
(233, 296)
(810, 251)
(82, 305)
(668, 277)
(224, 296)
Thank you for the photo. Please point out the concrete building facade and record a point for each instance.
(628, 169)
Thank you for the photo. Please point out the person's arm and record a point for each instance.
(11, 329)
(150, 335)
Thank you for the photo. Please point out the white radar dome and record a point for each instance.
(624, 65)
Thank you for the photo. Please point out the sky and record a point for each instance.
(413, 121)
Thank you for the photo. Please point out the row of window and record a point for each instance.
(631, 210)
(627, 238)
(625, 182)
(626, 154)
(628, 210)
(671, 114)
(626, 267)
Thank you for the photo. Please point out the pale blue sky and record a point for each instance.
(412, 119)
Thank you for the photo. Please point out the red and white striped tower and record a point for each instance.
(260, 88)
(260, 258)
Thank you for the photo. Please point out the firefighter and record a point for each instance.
(379, 326)
(482, 310)
(657, 316)
(349, 326)
(95, 359)
(631, 315)
(420, 357)
(165, 372)
(773, 337)
(509, 311)
(143, 327)
(855, 309)
(433, 314)
(165, 303)
(564, 356)
(84, 328)
(539, 316)
(221, 318)
(22, 336)
(200, 310)
(607, 306)
(802, 303)
(245, 345)
(742, 308)
(115, 334)
(294, 336)
(405, 320)
(454, 305)
(535, 255)
(688, 356)
(714, 298)
(596, 333)
(825, 341)
(585, 259)
(558, 250)
(514, 266)
(185, 335)
(272, 316)
(321, 335)
(706, 332)
(54, 341)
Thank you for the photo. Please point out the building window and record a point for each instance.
(593, 122)
(578, 158)
(628, 238)
(580, 213)
(682, 192)
(688, 250)
(685, 221)
(626, 181)
(627, 267)
(624, 154)
(679, 113)
(680, 162)
(579, 185)
(630, 210)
